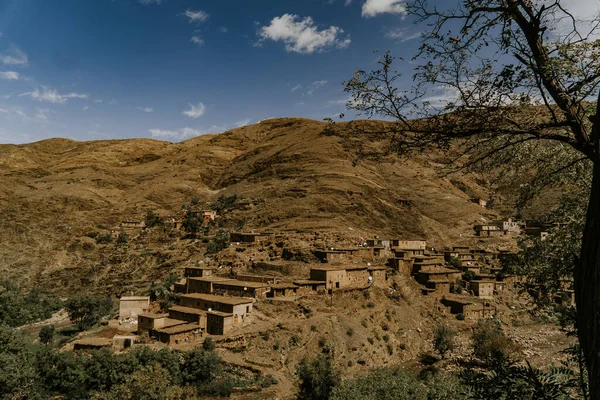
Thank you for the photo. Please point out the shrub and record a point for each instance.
(318, 378)
(364, 323)
(266, 336)
(209, 344)
(370, 304)
(92, 234)
(152, 219)
(322, 341)
(47, 334)
(201, 366)
(350, 331)
(391, 383)
(443, 340)
(122, 238)
(490, 344)
(313, 328)
(219, 242)
(295, 339)
(385, 327)
(468, 276)
(370, 340)
(386, 338)
(104, 239)
(390, 349)
(85, 310)
(460, 316)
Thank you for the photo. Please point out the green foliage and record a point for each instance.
(122, 238)
(86, 310)
(455, 262)
(163, 293)
(201, 366)
(92, 234)
(468, 276)
(318, 378)
(491, 345)
(226, 203)
(443, 340)
(381, 384)
(219, 242)
(209, 344)
(104, 239)
(47, 334)
(17, 309)
(152, 219)
(191, 223)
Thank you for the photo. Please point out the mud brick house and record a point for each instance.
(234, 287)
(204, 284)
(208, 216)
(379, 243)
(479, 201)
(483, 288)
(341, 277)
(365, 253)
(129, 224)
(401, 265)
(409, 244)
(468, 309)
(250, 237)
(461, 249)
(237, 306)
(487, 230)
(425, 263)
(440, 273)
(131, 306)
(255, 278)
(283, 290)
(198, 272)
(188, 314)
(92, 343)
(331, 256)
(307, 286)
(219, 323)
(150, 321)
(188, 333)
(438, 285)
(378, 275)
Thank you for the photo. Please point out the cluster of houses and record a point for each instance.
(510, 226)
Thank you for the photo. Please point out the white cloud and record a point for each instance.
(402, 35)
(196, 16)
(315, 85)
(372, 8)
(300, 35)
(243, 122)
(146, 109)
(53, 96)
(183, 133)
(197, 40)
(150, 2)
(223, 29)
(9, 75)
(298, 86)
(347, 3)
(85, 108)
(195, 111)
(14, 57)
(41, 114)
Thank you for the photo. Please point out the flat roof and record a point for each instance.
(302, 282)
(220, 314)
(283, 286)
(178, 328)
(439, 271)
(377, 268)
(93, 341)
(483, 281)
(339, 267)
(202, 268)
(153, 315)
(210, 279)
(188, 310)
(132, 298)
(235, 282)
(219, 299)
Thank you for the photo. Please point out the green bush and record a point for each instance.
(209, 344)
(318, 378)
(46, 334)
(390, 383)
(86, 310)
(219, 242)
(443, 340)
(104, 239)
(490, 344)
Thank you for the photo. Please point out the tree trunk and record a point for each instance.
(587, 288)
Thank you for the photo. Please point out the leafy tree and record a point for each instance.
(492, 345)
(47, 334)
(443, 340)
(318, 377)
(219, 242)
(201, 366)
(122, 238)
(85, 310)
(17, 309)
(152, 219)
(209, 344)
(191, 223)
(226, 203)
(501, 58)
(18, 378)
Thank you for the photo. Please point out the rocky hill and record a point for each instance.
(298, 177)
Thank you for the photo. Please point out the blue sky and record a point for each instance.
(174, 69)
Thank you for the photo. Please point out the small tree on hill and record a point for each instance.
(191, 222)
(85, 311)
(443, 340)
(318, 377)
(47, 334)
(492, 345)
(219, 242)
(152, 219)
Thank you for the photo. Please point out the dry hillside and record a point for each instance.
(56, 190)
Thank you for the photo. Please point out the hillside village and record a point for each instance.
(218, 298)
